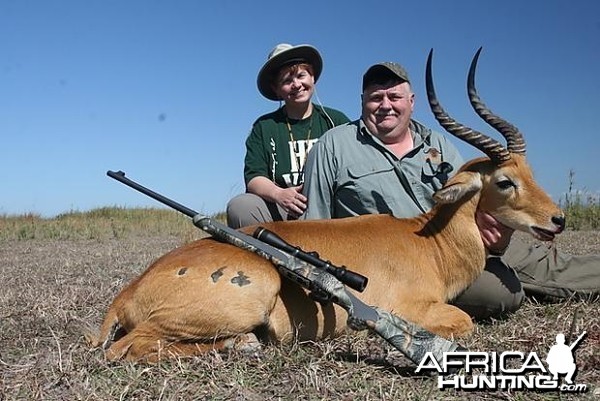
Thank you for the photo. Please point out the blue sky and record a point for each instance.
(166, 90)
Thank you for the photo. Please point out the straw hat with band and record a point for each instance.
(285, 54)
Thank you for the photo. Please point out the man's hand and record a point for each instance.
(495, 235)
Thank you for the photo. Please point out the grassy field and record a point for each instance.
(61, 274)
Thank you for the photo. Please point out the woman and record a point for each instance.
(279, 142)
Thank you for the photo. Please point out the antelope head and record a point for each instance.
(504, 179)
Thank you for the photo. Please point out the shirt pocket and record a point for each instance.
(361, 171)
(367, 188)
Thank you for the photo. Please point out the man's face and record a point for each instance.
(387, 109)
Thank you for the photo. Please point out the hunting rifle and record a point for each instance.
(320, 279)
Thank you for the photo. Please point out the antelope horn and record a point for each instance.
(492, 148)
(514, 139)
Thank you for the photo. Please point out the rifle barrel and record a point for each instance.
(120, 176)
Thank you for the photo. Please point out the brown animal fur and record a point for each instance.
(205, 294)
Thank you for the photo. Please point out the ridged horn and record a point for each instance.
(514, 139)
(492, 148)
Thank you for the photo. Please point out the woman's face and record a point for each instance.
(295, 84)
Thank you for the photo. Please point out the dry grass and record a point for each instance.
(102, 223)
(53, 288)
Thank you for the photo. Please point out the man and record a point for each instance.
(386, 162)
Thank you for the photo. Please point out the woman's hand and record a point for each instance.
(289, 199)
(292, 201)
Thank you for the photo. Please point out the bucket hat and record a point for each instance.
(285, 54)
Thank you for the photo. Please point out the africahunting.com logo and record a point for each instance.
(510, 370)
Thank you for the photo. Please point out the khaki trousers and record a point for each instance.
(530, 270)
(248, 209)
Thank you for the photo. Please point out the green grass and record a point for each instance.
(102, 223)
(581, 207)
(582, 210)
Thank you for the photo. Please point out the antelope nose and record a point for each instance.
(559, 221)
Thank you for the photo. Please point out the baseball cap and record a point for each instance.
(384, 70)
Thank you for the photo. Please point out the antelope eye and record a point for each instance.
(505, 184)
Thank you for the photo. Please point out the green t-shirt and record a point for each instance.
(278, 152)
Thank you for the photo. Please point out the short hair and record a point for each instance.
(292, 68)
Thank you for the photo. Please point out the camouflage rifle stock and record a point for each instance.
(410, 339)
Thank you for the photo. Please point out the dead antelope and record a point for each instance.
(208, 294)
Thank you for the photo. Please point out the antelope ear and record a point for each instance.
(463, 183)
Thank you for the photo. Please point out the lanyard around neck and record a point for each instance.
(289, 127)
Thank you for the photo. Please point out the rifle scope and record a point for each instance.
(351, 279)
